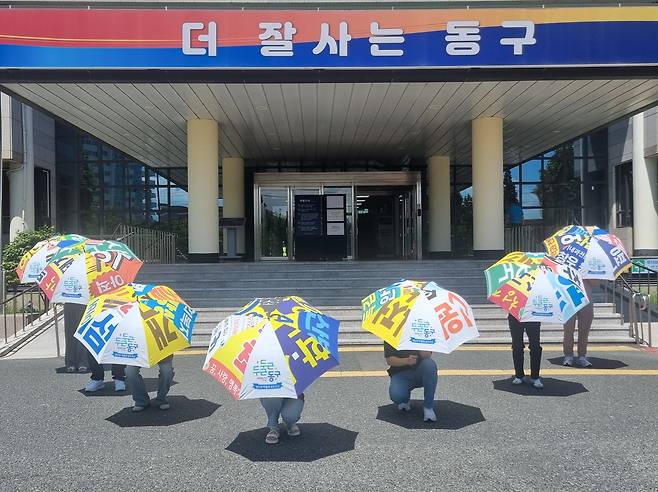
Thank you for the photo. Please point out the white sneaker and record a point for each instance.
(536, 383)
(568, 360)
(517, 381)
(404, 407)
(583, 362)
(119, 385)
(94, 385)
(429, 415)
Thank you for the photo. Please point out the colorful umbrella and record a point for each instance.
(414, 315)
(512, 265)
(34, 261)
(594, 252)
(548, 292)
(136, 325)
(272, 348)
(90, 268)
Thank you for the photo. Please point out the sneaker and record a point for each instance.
(294, 430)
(583, 362)
(139, 408)
(536, 383)
(83, 369)
(404, 407)
(94, 385)
(70, 369)
(568, 361)
(119, 385)
(272, 436)
(163, 405)
(429, 415)
(517, 381)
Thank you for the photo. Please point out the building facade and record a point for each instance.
(253, 136)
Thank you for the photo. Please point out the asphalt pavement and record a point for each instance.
(587, 430)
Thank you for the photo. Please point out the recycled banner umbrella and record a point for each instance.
(511, 265)
(89, 268)
(548, 292)
(35, 260)
(416, 315)
(593, 251)
(136, 325)
(272, 347)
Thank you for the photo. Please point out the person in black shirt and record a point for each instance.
(411, 369)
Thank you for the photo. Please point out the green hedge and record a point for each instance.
(15, 250)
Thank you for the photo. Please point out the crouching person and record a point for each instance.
(289, 410)
(138, 388)
(411, 369)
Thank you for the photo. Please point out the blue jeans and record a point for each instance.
(422, 375)
(290, 410)
(138, 388)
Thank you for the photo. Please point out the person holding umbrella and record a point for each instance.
(532, 329)
(597, 255)
(533, 288)
(410, 369)
(273, 349)
(416, 318)
(287, 409)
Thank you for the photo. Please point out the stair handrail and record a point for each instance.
(639, 303)
(10, 310)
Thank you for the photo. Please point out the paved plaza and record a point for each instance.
(590, 429)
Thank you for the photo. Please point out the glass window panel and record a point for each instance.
(115, 198)
(179, 198)
(114, 174)
(67, 173)
(67, 200)
(112, 217)
(135, 174)
(112, 154)
(532, 213)
(89, 149)
(532, 170)
(549, 154)
(529, 196)
(159, 177)
(467, 192)
(90, 221)
(67, 221)
(90, 176)
(516, 173)
(66, 148)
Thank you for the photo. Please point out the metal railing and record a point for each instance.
(21, 309)
(527, 237)
(632, 299)
(150, 245)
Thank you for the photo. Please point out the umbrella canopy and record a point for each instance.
(594, 252)
(272, 348)
(136, 325)
(89, 268)
(34, 261)
(415, 315)
(511, 265)
(547, 292)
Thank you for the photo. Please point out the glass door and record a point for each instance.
(297, 191)
(274, 223)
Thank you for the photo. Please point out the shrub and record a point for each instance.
(15, 250)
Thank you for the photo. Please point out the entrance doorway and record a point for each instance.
(385, 223)
(386, 226)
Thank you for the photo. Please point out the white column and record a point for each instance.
(21, 182)
(233, 193)
(203, 189)
(645, 194)
(438, 178)
(488, 214)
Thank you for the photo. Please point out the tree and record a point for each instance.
(14, 251)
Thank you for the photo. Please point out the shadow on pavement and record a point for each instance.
(597, 363)
(317, 441)
(108, 390)
(451, 415)
(62, 370)
(182, 410)
(552, 387)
